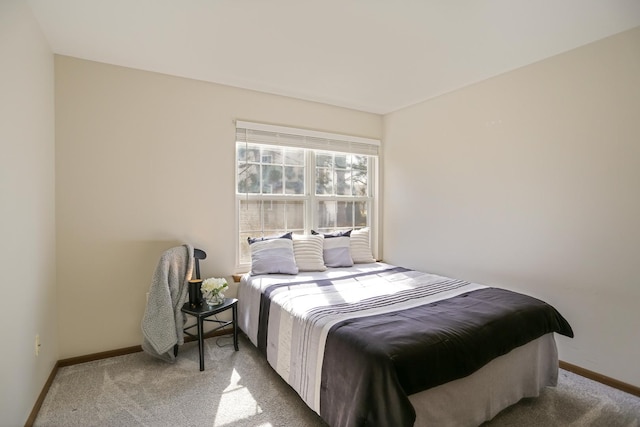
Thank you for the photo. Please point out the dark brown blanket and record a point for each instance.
(372, 364)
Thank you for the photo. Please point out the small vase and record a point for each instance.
(215, 299)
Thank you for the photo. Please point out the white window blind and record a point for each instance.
(260, 133)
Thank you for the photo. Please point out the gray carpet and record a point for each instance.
(240, 389)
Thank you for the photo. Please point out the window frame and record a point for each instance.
(309, 198)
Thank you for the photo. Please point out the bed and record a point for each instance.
(378, 344)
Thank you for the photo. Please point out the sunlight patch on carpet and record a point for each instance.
(236, 403)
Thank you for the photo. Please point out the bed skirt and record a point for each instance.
(479, 397)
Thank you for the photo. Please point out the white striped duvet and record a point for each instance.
(301, 316)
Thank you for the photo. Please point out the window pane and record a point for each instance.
(294, 179)
(324, 160)
(274, 217)
(341, 174)
(245, 251)
(271, 179)
(294, 157)
(359, 162)
(326, 215)
(341, 214)
(270, 217)
(360, 214)
(250, 217)
(340, 161)
(248, 178)
(343, 182)
(359, 183)
(324, 181)
(272, 155)
(248, 153)
(359, 175)
(344, 214)
(295, 216)
(283, 216)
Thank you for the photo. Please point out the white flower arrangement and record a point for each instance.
(212, 289)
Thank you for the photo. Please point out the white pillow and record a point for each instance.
(272, 255)
(308, 252)
(361, 247)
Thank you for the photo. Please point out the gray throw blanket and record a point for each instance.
(163, 322)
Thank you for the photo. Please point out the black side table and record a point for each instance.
(201, 314)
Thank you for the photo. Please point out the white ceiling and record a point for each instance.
(371, 55)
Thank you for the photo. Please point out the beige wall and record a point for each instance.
(527, 181)
(144, 162)
(27, 211)
(530, 181)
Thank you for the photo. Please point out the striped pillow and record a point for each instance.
(308, 252)
(361, 247)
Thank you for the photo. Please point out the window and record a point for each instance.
(292, 180)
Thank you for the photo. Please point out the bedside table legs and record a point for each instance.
(235, 326)
(201, 341)
(201, 314)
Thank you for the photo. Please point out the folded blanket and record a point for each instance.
(163, 322)
(373, 363)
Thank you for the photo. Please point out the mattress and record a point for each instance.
(355, 342)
